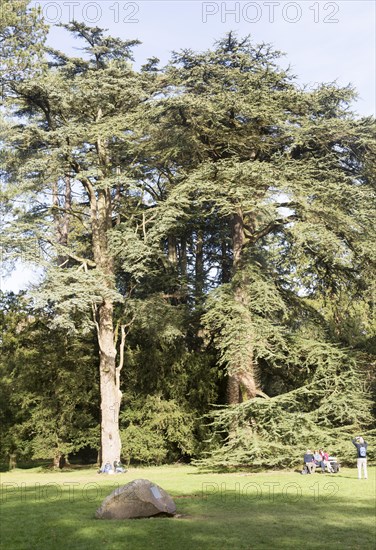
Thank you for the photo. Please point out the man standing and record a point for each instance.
(361, 447)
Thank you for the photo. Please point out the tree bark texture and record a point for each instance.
(238, 238)
(61, 213)
(242, 380)
(109, 386)
(172, 255)
(101, 221)
(199, 266)
(59, 461)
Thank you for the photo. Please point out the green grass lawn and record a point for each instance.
(43, 511)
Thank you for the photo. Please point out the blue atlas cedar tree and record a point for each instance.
(218, 184)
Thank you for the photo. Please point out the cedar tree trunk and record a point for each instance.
(241, 383)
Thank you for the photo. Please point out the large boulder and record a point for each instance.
(138, 499)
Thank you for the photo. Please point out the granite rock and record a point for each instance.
(138, 499)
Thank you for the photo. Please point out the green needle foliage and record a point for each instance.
(289, 170)
(213, 224)
(49, 386)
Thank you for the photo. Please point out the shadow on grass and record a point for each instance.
(251, 515)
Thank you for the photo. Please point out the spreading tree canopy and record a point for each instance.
(67, 136)
(273, 186)
(215, 205)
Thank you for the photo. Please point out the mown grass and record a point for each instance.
(238, 511)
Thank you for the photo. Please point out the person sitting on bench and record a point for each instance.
(319, 461)
(325, 459)
(309, 462)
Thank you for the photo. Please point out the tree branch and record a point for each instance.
(273, 226)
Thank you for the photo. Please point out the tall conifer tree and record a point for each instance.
(67, 157)
(289, 171)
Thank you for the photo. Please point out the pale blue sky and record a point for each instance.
(323, 41)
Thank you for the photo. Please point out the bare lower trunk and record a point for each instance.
(59, 461)
(109, 386)
(12, 461)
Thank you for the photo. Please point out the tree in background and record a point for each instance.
(49, 386)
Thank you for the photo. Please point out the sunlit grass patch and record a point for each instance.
(43, 511)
